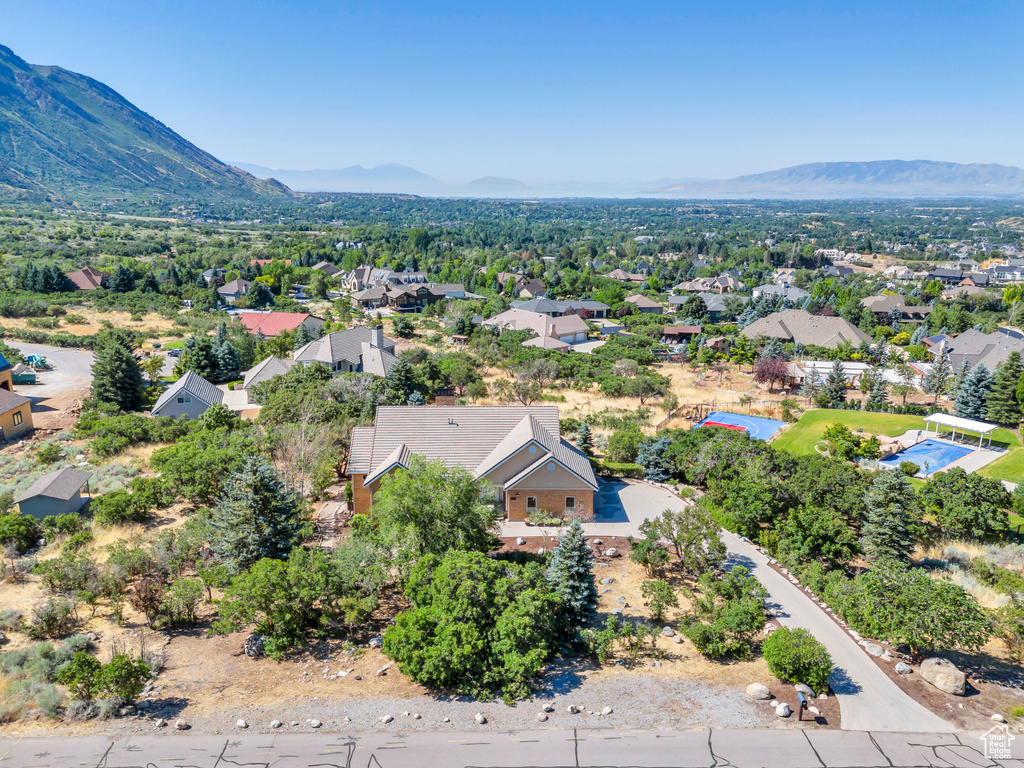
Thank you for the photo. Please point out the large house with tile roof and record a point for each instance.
(801, 327)
(358, 349)
(275, 323)
(517, 449)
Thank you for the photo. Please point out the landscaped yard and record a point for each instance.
(800, 438)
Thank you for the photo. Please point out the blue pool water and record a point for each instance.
(756, 427)
(938, 455)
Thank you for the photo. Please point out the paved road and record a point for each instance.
(535, 748)
(72, 369)
(870, 701)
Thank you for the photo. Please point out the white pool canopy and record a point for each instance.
(964, 425)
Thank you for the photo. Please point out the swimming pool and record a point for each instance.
(937, 455)
(756, 427)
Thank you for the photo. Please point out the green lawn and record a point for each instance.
(800, 438)
(174, 344)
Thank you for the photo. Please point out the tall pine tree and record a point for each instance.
(892, 508)
(939, 377)
(584, 440)
(973, 394)
(571, 576)
(835, 384)
(116, 377)
(878, 395)
(255, 517)
(1002, 405)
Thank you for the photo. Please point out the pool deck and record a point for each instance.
(972, 462)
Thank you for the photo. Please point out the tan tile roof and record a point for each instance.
(801, 327)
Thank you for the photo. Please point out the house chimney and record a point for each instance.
(377, 337)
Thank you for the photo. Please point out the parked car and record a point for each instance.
(174, 353)
(157, 345)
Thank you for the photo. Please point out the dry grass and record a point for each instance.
(93, 318)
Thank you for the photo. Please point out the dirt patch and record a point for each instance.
(60, 412)
(93, 322)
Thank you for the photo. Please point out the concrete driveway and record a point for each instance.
(870, 701)
(70, 369)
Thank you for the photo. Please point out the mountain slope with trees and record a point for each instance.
(69, 137)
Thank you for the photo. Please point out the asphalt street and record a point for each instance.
(71, 369)
(534, 748)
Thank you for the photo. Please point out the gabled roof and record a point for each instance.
(265, 370)
(354, 346)
(62, 484)
(239, 285)
(193, 384)
(87, 278)
(643, 302)
(477, 438)
(802, 327)
(273, 323)
(327, 268)
(11, 400)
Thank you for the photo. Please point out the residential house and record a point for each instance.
(715, 303)
(233, 291)
(976, 348)
(353, 350)
(188, 397)
(785, 290)
(532, 289)
(55, 493)
(6, 375)
(951, 294)
(883, 305)
(977, 279)
(327, 269)
(899, 272)
(265, 370)
(626, 277)
(517, 449)
(720, 344)
(644, 305)
(552, 332)
(837, 270)
(784, 276)
(800, 327)
(271, 324)
(585, 308)
(946, 276)
(88, 279)
(15, 415)
(677, 334)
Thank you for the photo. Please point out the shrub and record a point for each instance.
(726, 614)
(77, 541)
(795, 656)
(20, 530)
(122, 678)
(48, 454)
(909, 468)
(659, 597)
(52, 619)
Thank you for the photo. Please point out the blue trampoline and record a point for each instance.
(756, 427)
(937, 455)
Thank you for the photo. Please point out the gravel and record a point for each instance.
(635, 701)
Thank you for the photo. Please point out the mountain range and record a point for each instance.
(66, 137)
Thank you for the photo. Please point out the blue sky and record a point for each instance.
(545, 91)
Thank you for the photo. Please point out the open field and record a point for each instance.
(93, 322)
(801, 437)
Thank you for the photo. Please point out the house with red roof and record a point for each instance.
(276, 323)
(88, 279)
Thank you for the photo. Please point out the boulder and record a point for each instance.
(254, 646)
(758, 691)
(612, 552)
(804, 689)
(548, 708)
(998, 718)
(180, 725)
(902, 668)
(572, 709)
(874, 649)
(275, 723)
(598, 542)
(314, 723)
(677, 639)
(541, 717)
(607, 711)
(667, 632)
(144, 704)
(376, 642)
(520, 541)
(814, 711)
(783, 710)
(541, 551)
(160, 723)
(480, 719)
(387, 719)
(241, 724)
(774, 703)
(416, 716)
(607, 580)
(944, 675)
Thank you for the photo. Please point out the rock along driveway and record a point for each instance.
(870, 701)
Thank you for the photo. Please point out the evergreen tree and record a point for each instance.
(122, 281)
(571, 576)
(878, 395)
(773, 349)
(255, 517)
(416, 398)
(938, 378)
(651, 457)
(116, 377)
(584, 440)
(1002, 406)
(227, 363)
(835, 384)
(973, 393)
(918, 335)
(892, 509)
(812, 385)
(302, 338)
(259, 295)
(149, 284)
(400, 383)
(197, 355)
